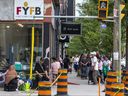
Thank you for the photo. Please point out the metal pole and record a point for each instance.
(32, 52)
(88, 17)
(117, 40)
(126, 36)
(62, 50)
(119, 64)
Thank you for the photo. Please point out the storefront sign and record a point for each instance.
(28, 9)
(70, 28)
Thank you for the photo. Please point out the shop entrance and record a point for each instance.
(15, 43)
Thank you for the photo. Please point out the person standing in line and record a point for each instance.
(105, 67)
(100, 67)
(66, 62)
(75, 62)
(83, 63)
(55, 66)
(79, 66)
(88, 61)
(95, 67)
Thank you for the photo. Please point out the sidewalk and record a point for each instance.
(81, 89)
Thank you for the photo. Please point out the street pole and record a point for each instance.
(62, 50)
(126, 36)
(58, 16)
(127, 42)
(117, 40)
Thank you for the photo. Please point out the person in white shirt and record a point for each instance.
(100, 66)
(75, 61)
(95, 67)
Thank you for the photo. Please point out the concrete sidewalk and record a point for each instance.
(81, 89)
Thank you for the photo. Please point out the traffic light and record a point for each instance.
(103, 9)
(121, 8)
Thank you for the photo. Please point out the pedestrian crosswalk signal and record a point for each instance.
(103, 9)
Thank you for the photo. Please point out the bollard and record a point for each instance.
(62, 83)
(111, 78)
(117, 89)
(99, 86)
(44, 88)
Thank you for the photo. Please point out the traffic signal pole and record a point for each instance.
(117, 40)
(126, 35)
(55, 16)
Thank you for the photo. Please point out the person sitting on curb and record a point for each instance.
(11, 81)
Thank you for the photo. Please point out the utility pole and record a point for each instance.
(126, 35)
(117, 40)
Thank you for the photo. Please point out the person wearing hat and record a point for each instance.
(94, 61)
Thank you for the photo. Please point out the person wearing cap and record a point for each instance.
(95, 67)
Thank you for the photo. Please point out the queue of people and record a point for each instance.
(91, 66)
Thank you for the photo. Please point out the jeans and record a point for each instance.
(84, 71)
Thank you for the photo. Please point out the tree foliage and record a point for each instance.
(93, 37)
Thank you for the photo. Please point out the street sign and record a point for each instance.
(103, 26)
(122, 14)
(70, 28)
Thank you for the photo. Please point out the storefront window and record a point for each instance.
(15, 43)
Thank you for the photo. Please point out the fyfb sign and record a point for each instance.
(28, 9)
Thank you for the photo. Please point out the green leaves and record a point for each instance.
(95, 38)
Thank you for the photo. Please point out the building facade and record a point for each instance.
(17, 17)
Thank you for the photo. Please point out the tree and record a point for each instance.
(93, 38)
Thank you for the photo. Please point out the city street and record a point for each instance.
(76, 87)
(39, 37)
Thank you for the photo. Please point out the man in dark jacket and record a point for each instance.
(66, 62)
